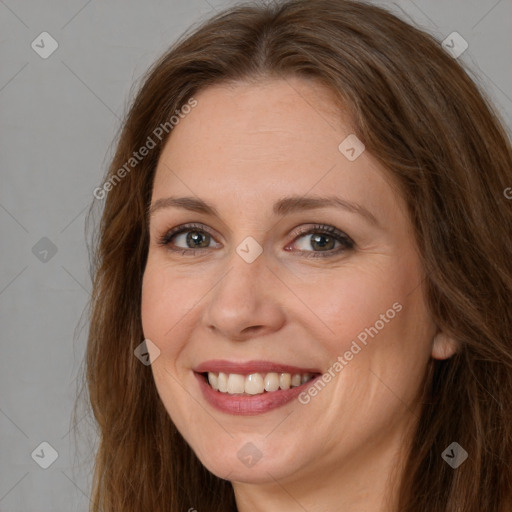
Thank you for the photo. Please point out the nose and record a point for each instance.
(246, 301)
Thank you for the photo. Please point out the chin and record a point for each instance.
(248, 458)
(260, 472)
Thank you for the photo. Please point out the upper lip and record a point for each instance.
(248, 367)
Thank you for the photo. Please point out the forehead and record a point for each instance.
(260, 141)
(268, 123)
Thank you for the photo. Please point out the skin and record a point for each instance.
(242, 148)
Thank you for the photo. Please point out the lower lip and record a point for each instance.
(247, 405)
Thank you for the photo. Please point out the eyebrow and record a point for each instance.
(282, 207)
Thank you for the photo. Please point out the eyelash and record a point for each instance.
(345, 240)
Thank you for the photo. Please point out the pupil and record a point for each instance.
(195, 236)
(324, 244)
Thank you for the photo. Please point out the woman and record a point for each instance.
(305, 233)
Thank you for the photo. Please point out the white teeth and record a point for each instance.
(271, 382)
(255, 383)
(305, 378)
(295, 380)
(285, 381)
(236, 383)
(222, 382)
(213, 380)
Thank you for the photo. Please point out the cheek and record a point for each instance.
(375, 318)
(353, 299)
(166, 299)
(378, 346)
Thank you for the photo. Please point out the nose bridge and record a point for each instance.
(243, 298)
(244, 275)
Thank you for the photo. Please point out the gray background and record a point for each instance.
(58, 118)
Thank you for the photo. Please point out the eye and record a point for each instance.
(187, 238)
(322, 240)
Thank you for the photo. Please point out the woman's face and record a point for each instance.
(300, 261)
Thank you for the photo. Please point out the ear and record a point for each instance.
(443, 347)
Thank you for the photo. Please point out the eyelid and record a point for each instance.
(325, 228)
(166, 237)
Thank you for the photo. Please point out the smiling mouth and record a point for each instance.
(255, 383)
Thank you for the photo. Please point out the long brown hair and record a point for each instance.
(418, 112)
